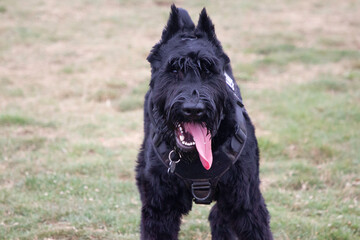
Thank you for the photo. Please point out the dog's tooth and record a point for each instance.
(183, 142)
(182, 138)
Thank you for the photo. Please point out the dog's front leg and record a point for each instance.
(163, 204)
(158, 224)
(245, 224)
(247, 221)
(241, 206)
(221, 228)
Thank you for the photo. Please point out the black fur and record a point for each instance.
(188, 66)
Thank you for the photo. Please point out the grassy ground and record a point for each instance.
(72, 79)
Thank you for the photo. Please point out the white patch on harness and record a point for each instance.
(229, 81)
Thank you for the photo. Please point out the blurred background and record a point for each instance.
(73, 75)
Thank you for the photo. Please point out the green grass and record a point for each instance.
(7, 120)
(284, 54)
(73, 75)
(2, 9)
(315, 129)
(135, 99)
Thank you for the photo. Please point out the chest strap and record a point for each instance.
(201, 182)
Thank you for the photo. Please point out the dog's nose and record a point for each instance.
(193, 110)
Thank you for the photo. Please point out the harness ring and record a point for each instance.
(169, 157)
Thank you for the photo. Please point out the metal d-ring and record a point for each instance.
(169, 157)
(172, 164)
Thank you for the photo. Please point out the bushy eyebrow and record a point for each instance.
(195, 64)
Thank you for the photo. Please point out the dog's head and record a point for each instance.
(192, 102)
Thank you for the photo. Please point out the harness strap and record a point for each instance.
(202, 183)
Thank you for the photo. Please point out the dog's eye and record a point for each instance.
(206, 72)
(177, 73)
(207, 68)
(173, 69)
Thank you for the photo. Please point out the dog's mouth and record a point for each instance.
(195, 136)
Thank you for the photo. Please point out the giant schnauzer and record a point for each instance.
(199, 143)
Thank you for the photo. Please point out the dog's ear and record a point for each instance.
(179, 20)
(206, 26)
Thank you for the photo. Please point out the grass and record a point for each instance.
(72, 81)
(7, 120)
(284, 54)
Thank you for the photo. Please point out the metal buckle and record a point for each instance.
(201, 192)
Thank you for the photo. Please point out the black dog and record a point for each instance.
(199, 141)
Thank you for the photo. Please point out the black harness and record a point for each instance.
(201, 182)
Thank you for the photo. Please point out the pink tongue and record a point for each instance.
(202, 142)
